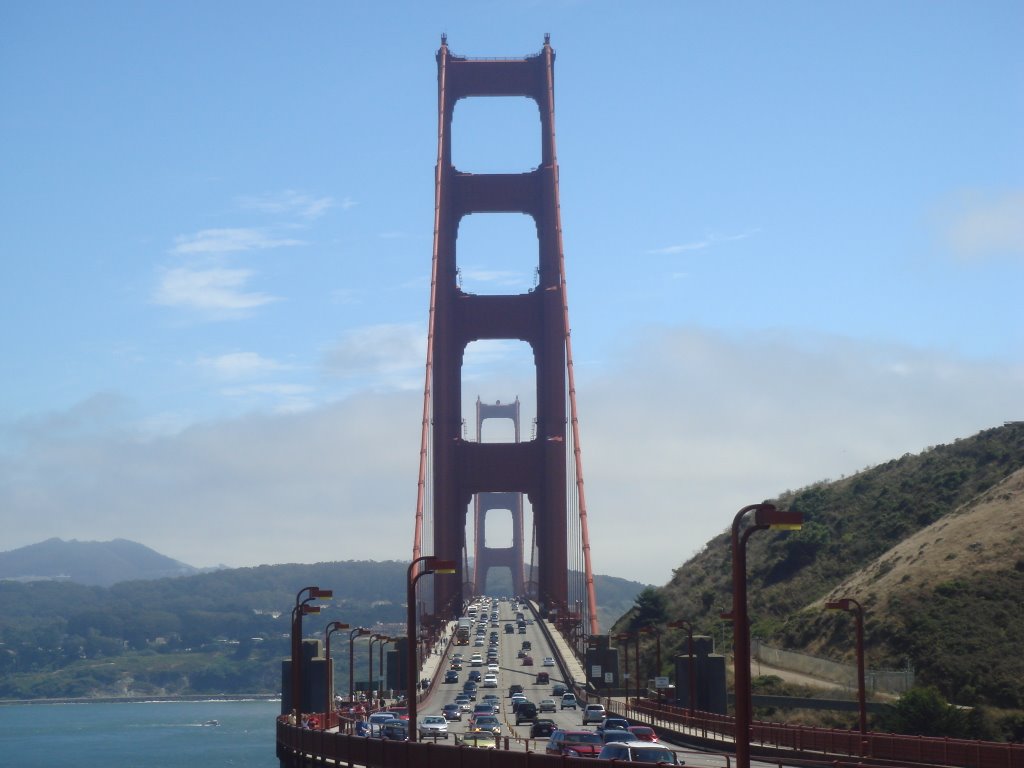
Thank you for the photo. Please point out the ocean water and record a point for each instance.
(139, 735)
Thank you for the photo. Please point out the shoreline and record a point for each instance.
(147, 699)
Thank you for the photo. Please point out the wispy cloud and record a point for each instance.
(209, 289)
(699, 245)
(378, 349)
(497, 277)
(240, 365)
(294, 203)
(229, 240)
(987, 227)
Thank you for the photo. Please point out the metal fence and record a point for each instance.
(878, 680)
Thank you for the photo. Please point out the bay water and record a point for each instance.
(165, 734)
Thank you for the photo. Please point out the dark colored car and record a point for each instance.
(451, 676)
(474, 676)
(543, 678)
(526, 712)
(396, 730)
(574, 743)
(469, 688)
(614, 723)
(513, 689)
(527, 661)
(559, 690)
(541, 728)
(452, 712)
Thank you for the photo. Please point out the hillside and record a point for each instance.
(930, 543)
(94, 563)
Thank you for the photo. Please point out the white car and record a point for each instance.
(493, 668)
(490, 681)
(548, 661)
(476, 660)
(433, 725)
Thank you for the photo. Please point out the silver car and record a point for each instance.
(435, 726)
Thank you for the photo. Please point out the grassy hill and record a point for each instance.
(931, 544)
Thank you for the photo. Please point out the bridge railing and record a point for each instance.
(805, 740)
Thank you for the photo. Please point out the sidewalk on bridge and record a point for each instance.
(570, 664)
(432, 663)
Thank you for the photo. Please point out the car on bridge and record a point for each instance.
(395, 730)
(543, 678)
(569, 701)
(616, 735)
(613, 723)
(452, 712)
(435, 726)
(487, 723)
(548, 661)
(527, 661)
(574, 743)
(490, 681)
(479, 739)
(643, 732)
(593, 713)
(526, 712)
(514, 689)
(547, 705)
(542, 727)
(638, 752)
(451, 676)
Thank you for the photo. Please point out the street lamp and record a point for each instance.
(684, 624)
(357, 632)
(302, 608)
(369, 671)
(850, 605)
(626, 637)
(329, 630)
(431, 564)
(380, 661)
(765, 516)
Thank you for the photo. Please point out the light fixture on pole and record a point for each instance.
(430, 564)
(329, 630)
(357, 632)
(765, 516)
(302, 608)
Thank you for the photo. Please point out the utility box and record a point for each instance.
(314, 679)
(601, 664)
(709, 677)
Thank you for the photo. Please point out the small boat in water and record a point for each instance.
(211, 722)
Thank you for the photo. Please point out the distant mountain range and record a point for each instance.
(93, 563)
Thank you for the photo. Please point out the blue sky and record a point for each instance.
(794, 236)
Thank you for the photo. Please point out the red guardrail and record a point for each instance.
(810, 741)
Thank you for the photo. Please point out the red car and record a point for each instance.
(643, 732)
(574, 743)
(527, 661)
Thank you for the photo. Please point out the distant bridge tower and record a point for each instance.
(486, 558)
(453, 470)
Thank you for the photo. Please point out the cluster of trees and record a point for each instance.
(221, 632)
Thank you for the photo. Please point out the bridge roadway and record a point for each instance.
(544, 642)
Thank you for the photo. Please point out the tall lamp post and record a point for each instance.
(850, 605)
(626, 637)
(302, 608)
(765, 516)
(357, 632)
(653, 630)
(380, 661)
(430, 564)
(369, 672)
(690, 667)
(329, 630)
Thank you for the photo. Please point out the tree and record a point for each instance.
(650, 608)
